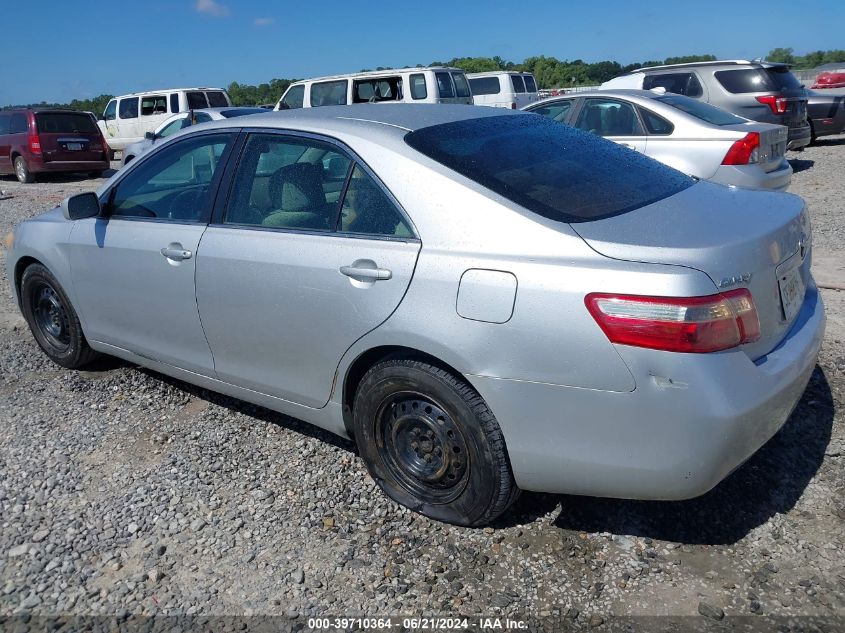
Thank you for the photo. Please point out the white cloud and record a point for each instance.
(211, 8)
(263, 21)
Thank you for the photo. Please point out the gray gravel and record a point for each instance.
(122, 491)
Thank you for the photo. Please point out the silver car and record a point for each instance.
(179, 122)
(692, 136)
(485, 300)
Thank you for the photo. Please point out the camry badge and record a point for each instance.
(727, 282)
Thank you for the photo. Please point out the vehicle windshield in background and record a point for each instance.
(701, 110)
(757, 79)
(240, 112)
(65, 123)
(551, 169)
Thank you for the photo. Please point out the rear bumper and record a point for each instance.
(799, 137)
(38, 165)
(692, 419)
(754, 177)
(827, 126)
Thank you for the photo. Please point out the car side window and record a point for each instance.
(128, 108)
(655, 123)
(156, 104)
(287, 182)
(201, 117)
(4, 123)
(174, 102)
(444, 85)
(293, 98)
(173, 127)
(196, 100)
(18, 124)
(608, 117)
(173, 183)
(679, 83)
(557, 111)
(367, 209)
(111, 110)
(418, 87)
(329, 93)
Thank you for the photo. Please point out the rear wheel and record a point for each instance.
(432, 444)
(52, 319)
(22, 171)
(812, 132)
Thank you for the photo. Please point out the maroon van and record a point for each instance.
(34, 141)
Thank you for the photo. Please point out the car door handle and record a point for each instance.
(176, 252)
(359, 272)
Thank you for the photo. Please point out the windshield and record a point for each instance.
(701, 110)
(553, 170)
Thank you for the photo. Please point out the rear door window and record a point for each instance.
(367, 210)
(65, 123)
(216, 99)
(679, 83)
(418, 88)
(328, 93)
(553, 170)
(293, 98)
(656, 124)
(128, 108)
(196, 100)
(530, 84)
(485, 86)
(444, 85)
(461, 85)
(376, 90)
(156, 104)
(518, 83)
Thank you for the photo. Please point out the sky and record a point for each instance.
(69, 50)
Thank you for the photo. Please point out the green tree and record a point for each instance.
(782, 55)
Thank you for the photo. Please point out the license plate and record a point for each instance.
(74, 147)
(791, 287)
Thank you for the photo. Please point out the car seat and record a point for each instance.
(296, 191)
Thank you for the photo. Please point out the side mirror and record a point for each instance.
(150, 136)
(81, 206)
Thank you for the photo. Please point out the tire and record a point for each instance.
(22, 171)
(812, 133)
(432, 444)
(52, 319)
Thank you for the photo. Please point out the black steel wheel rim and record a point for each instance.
(50, 316)
(423, 447)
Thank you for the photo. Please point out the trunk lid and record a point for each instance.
(69, 136)
(739, 238)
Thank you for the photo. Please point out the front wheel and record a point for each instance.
(432, 444)
(22, 171)
(52, 319)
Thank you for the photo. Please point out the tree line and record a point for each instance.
(550, 72)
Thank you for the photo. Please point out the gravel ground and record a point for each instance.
(122, 491)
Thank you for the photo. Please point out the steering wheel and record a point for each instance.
(185, 200)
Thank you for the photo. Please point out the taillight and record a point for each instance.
(743, 151)
(34, 143)
(513, 105)
(777, 104)
(677, 324)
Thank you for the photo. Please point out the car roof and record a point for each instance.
(150, 92)
(609, 92)
(495, 73)
(377, 73)
(725, 62)
(372, 119)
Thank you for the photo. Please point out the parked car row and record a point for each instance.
(484, 300)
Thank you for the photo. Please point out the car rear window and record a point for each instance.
(485, 86)
(757, 79)
(216, 99)
(518, 83)
(65, 123)
(553, 170)
(701, 110)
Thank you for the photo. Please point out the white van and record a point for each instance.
(128, 118)
(434, 84)
(502, 89)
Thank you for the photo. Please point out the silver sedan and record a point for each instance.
(692, 136)
(486, 301)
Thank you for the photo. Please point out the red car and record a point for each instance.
(34, 141)
(830, 80)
